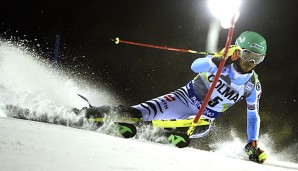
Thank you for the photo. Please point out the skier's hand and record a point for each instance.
(234, 53)
(255, 153)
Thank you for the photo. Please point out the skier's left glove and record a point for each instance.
(255, 153)
(234, 53)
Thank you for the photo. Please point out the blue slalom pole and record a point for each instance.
(56, 51)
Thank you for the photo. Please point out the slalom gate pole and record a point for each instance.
(56, 50)
(219, 70)
(117, 41)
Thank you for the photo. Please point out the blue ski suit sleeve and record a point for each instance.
(253, 118)
(202, 64)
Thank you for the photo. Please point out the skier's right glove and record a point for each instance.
(234, 53)
(254, 153)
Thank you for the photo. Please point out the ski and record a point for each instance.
(178, 139)
(125, 127)
(172, 123)
(127, 130)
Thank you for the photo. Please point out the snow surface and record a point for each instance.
(29, 145)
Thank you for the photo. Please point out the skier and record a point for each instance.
(237, 81)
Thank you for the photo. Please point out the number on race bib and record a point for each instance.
(215, 101)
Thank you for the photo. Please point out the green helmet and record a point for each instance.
(252, 41)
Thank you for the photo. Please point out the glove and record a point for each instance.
(254, 153)
(233, 55)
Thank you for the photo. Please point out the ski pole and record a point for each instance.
(220, 67)
(117, 41)
(85, 100)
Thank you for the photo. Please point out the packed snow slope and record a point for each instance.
(29, 145)
(29, 82)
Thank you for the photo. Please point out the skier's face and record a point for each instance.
(246, 66)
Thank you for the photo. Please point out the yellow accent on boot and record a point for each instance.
(262, 157)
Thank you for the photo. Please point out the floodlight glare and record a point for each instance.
(224, 10)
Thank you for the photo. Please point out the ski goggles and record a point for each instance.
(250, 56)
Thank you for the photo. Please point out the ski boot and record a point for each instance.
(123, 118)
(254, 153)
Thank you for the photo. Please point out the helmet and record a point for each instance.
(253, 42)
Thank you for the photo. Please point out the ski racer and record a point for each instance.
(237, 81)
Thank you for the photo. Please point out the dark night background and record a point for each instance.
(137, 74)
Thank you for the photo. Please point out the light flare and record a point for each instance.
(225, 10)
